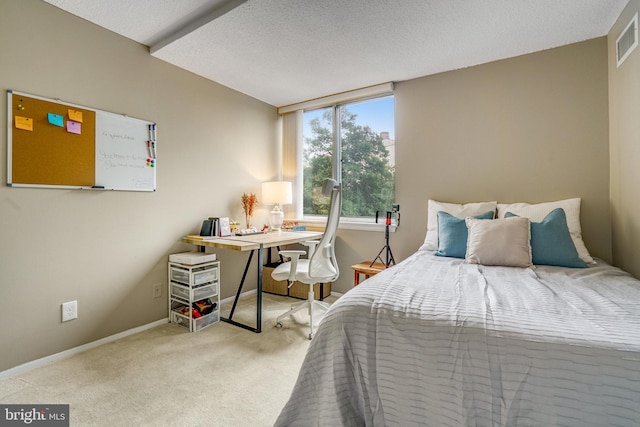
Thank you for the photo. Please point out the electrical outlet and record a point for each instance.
(69, 310)
(157, 290)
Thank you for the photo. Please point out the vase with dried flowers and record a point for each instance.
(249, 203)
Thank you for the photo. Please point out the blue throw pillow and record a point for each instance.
(452, 234)
(551, 242)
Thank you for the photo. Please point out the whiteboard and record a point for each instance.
(124, 160)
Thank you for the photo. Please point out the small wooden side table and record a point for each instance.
(366, 269)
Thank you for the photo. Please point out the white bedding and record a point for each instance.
(437, 342)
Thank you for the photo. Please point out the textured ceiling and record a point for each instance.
(288, 51)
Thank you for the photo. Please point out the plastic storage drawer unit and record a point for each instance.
(189, 286)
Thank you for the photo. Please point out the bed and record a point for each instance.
(444, 341)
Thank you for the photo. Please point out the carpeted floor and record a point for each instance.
(222, 375)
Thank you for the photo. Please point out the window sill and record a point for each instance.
(348, 224)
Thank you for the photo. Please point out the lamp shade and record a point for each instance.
(276, 193)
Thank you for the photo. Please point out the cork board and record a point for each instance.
(55, 144)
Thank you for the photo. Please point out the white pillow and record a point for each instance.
(499, 242)
(539, 211)
(457, 210)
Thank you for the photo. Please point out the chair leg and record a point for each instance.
(312, 305)
(294, 308)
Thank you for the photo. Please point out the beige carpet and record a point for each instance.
(222, 375)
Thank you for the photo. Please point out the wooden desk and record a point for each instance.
(252, 243)
(367, 270)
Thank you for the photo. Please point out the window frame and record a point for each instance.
(363, 223)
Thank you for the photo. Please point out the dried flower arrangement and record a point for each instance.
(249, 203)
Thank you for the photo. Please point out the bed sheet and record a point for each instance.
(435, 341)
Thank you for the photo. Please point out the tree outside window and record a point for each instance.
(366, 158)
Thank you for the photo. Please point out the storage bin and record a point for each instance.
(179, 319)
(181, 276)
(180, 291)
(206, 276)
(200, 275)
(205, 291)
(207, 320)
(198, 323)
(201, 292)
(278, 287)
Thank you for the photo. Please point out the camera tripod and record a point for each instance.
(388, 255)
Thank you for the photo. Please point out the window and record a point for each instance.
(358, 150)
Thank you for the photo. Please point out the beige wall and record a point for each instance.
(624, 110)
(532, 128)
(107, 249)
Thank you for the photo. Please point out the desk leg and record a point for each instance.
(259, 290)
(244, 276)
(229, 319)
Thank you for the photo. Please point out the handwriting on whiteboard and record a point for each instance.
(118, 136)
(111, 160)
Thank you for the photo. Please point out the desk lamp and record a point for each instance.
(276, 193)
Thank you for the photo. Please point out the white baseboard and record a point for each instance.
(20, 369)
(244, 294)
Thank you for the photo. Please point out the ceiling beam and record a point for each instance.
(207, 17)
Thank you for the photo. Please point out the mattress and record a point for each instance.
(435, 341)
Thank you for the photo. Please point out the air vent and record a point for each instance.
(627, 41)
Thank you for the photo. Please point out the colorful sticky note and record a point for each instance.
(56, 119)
(75, 115)
(74, 127)
(24, 123)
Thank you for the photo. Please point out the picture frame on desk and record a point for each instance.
(225, 227)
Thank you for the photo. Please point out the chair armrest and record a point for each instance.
(294, 256)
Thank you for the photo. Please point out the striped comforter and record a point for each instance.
(437, 342)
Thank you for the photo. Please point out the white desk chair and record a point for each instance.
(320, 266)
